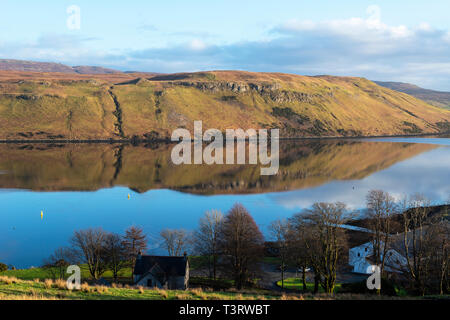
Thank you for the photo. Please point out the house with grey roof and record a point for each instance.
(162, 272)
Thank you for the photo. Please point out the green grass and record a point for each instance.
(297, 284)
(42, 274)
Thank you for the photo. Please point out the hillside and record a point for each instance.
(36, 106)
(33, 66)
(436, 98)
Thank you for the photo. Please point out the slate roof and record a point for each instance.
(172, 266)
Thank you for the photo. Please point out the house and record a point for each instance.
(162, 272)
(361, 259)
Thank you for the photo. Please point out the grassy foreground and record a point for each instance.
(15, 289)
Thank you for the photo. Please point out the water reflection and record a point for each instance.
(303, 164)
(99, 178)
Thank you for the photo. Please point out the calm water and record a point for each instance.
(82, 186)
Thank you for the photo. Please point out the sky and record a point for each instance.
(400, 40)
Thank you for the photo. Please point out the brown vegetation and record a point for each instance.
(62, 106)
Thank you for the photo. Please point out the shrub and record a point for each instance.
(163, 293)
(60, 284)
(85, 287)
(182, 296)
(3, 267)
(8, 280)
(101, 289)
(48, 283)
(199, 293)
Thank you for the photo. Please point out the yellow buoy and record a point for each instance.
(129, 196)
(42, 215)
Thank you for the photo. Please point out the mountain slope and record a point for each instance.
(32, 66)
(97, 108)
(436, 98)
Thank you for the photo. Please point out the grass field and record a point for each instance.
(296, 284)
(43, 274)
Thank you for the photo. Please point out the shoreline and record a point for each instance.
(168, 141)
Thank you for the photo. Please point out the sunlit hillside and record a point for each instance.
(54, 106)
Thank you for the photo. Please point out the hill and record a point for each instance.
(32, 66)
(36, 106)
(436, 98)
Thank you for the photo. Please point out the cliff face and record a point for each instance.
(97, 108)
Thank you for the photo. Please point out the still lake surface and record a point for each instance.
(83, 186)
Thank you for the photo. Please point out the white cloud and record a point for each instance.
(357, 46)
(197, 45)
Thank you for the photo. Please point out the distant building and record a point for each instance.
(162, 272)
(361, 258)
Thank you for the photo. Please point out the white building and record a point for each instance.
(361, 259)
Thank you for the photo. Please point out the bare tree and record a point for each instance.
(241, 243)
(57, 263)
(135, 242)
(299, 240)
(89, 244)
(280, 231)
(442, 258)
(381, 208)
(417, 237)
(206, 239)
(176, 241)
(325, 240)
(116, 254)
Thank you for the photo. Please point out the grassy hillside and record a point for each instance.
(54, 106)
(436, 98)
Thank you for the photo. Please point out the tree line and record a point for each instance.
(100, 251)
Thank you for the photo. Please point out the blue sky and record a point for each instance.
(381, 40)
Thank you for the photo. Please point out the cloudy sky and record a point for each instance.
(381, 40)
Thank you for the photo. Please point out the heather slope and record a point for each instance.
(125, 106)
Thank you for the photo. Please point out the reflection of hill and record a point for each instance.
(303, 164)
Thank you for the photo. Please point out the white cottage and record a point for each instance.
(361, 259)
(162, 272)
